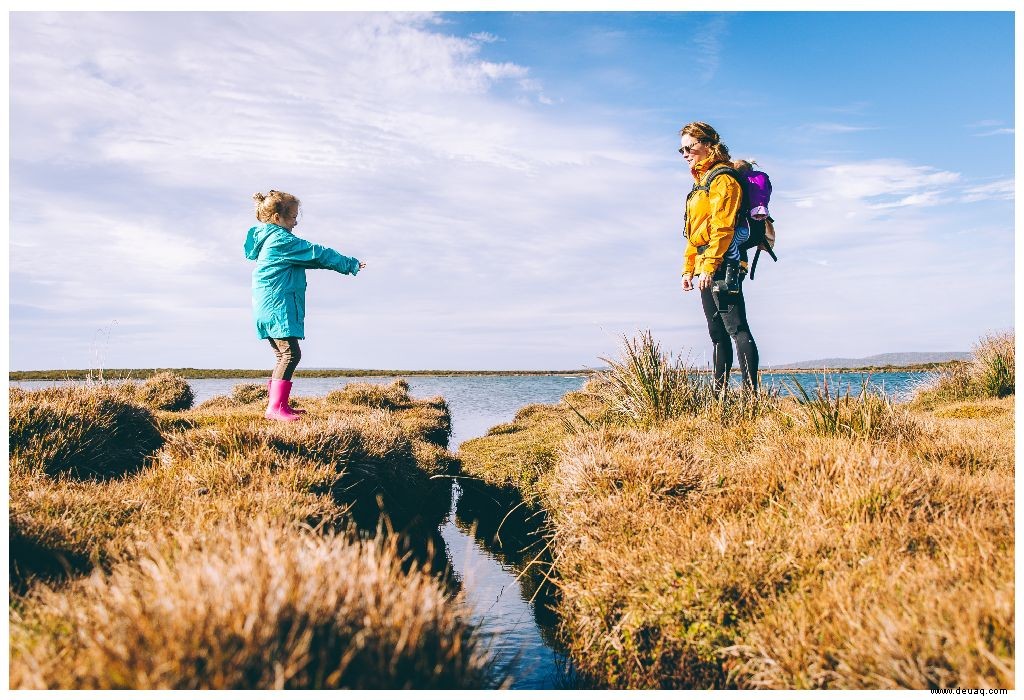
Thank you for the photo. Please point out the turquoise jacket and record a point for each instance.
(279, 280)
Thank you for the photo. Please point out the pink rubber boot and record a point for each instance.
(278, 409)
(297, 411)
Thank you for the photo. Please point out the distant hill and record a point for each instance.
(893, 359)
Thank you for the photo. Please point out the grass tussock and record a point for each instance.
(646, 385)
(80, 432)
(165, 392)
(250, 393)
(264, 606)
(871, 414)
(390, 396)
(989, 374)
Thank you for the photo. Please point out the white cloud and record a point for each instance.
(1000, 189)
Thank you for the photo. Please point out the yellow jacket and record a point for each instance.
(710, 219)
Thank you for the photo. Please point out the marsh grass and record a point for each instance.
(219, 470)
(512, 457)
(391, 396)
(822, 540)
(647, 385)
(262, 605)
(250, 392)
(989, 374)
(807, 562)
(80, 432)
(165, 391)
(871, 414)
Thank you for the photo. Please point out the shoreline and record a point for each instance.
(194, 373)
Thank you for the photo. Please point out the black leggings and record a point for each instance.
(286, 350)
(727, 322)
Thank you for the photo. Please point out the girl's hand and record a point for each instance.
(362, 265)
(687, 283)
(704, 282)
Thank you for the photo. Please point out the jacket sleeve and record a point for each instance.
(689, 258)
(297, 251)
(724, 200)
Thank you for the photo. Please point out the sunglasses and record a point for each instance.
(690, 149)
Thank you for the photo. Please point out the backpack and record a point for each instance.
(757, 190)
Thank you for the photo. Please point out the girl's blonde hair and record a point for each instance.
(706, 134)
(274, 202)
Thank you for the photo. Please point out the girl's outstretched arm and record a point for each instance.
(314, 256)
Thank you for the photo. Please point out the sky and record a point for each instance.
(510, 179)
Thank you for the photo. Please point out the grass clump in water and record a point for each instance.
(515, 456)
(165, 392)
(250, 393)
(394, 395)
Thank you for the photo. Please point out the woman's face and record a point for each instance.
(693, 150)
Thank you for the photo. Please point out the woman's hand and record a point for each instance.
(705, 281)
(687, 282)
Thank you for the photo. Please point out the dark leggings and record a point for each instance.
(727, 323)
(286, 350)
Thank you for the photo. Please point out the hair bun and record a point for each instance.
(259, 196)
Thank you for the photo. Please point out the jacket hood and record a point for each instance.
(256, 237)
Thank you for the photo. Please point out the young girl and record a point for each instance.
(279, 287)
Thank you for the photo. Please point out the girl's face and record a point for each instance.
(288, 220)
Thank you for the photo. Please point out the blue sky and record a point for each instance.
(510, 178)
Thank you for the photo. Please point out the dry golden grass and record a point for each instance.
(165, 391)
(250, 392)
(394, 395)
(806, 562)
(220, 469)
(226, 460)
(82, 433)
(263, 605)
(989, 374)
(808, 542)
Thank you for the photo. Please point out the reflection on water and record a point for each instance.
(522, 632)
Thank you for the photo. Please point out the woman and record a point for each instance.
(711, 211)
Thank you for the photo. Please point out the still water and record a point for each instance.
(523, 648)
